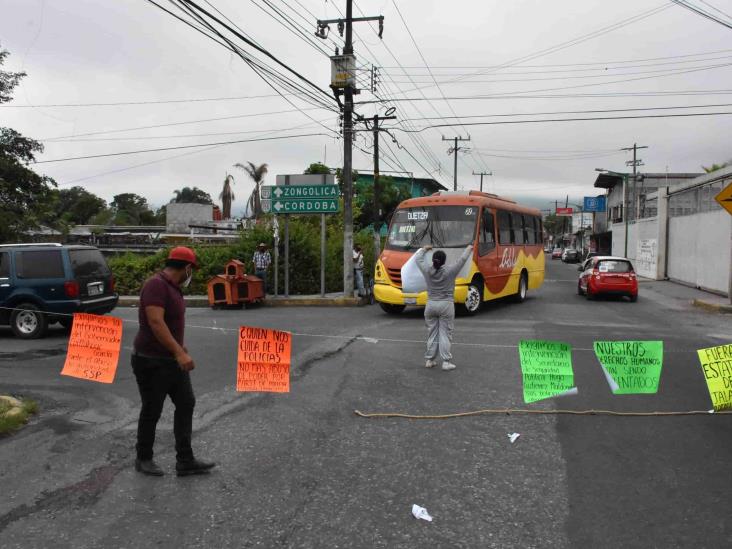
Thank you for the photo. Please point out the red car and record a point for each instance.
(557, 253)
(607, 275)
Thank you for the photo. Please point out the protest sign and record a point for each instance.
(716, 362)
(263, 362)
(631, 367)
(93, 351)
(546, 367)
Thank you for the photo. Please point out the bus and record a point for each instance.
(507, 238)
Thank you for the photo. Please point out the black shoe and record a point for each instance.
(148, 467)
(193, 467)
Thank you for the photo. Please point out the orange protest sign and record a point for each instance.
(93, 351)
(263, 362)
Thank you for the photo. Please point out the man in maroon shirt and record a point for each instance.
(161, 364)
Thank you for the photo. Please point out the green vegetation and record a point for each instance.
(12, 417)
(132, 270)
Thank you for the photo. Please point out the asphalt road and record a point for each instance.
(302, 470)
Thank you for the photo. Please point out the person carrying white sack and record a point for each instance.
(439, 314)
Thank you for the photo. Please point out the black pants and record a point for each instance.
(156, 379)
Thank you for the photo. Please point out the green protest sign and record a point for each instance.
(631, 367)
(546, 368)
(716, 364)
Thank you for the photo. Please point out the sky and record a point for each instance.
(475, 61)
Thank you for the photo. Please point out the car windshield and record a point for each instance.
(441, 226)
(614, 266)
(88, 263)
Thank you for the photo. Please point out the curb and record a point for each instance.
(202, 302)
(712, 307)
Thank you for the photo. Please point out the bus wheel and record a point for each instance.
(474, 299)
(392, 309)
(522, 288)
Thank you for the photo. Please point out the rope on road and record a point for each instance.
(509, 411)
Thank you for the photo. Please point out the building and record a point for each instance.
(417, 186)
(676, 230)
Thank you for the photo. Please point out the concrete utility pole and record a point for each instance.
(377, 184)
(454, 150)
(481, 174)
(635, 163)
(348, 92)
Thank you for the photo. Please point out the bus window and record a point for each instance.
(487, 239)
(529, 233)
(517, 225)
(504, 228)
(539, 230)
(439, 226)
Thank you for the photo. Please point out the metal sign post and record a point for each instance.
(322, 248)
(287, 248)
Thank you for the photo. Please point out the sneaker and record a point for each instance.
(193, 467)
(448, 366)
(430, 364)
(148, 467)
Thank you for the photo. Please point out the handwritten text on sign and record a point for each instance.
(263, 362)
(546, 367)
(631, 367)
(716, 363)
(93, 351)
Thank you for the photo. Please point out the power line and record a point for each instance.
(179, 147)
(153, 102)
(689, 6)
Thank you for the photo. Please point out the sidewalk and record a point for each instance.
(330, 300)
(687, 295)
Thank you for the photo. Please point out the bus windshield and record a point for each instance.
(439, 226)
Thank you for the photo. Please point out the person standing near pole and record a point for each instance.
(262, 260)
(358, 269)
(162, 365)
(439, 314)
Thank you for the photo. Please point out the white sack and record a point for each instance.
(412, 279)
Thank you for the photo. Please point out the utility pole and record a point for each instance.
(454, 150)
(635, 163)
(481, 174)
(343, 82)
(377, 184)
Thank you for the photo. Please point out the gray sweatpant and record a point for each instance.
(439, 316)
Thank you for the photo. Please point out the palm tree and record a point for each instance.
(715, 167)
(257, 174)
(227, 196)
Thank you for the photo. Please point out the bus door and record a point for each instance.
(487, 257)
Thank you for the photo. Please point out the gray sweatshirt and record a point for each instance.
(441, 282)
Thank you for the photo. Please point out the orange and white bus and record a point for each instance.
(507, 238)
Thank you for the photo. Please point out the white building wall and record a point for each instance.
(179, 216)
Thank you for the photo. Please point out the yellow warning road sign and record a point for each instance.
(725, 198)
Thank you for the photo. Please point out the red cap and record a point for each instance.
(181, 253)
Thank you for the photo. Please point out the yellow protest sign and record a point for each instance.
(716, 362)
(93, 351)
(263, 362)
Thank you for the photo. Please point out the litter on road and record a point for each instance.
(421, 513)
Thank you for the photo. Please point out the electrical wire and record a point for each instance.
(153, 102)
(689, 6)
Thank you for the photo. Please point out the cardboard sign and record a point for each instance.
(546, 367)
(631, 367)
(93, 351)
(263, 362)
(716, 362)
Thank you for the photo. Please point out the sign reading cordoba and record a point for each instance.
(304, 206)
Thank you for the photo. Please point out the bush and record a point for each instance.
(131, 270)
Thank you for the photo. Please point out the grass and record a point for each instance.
(10, 423)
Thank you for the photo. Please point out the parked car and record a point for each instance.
(570, 255)
(557, 253)
(586, 261)
(45, 283)
(608, 275)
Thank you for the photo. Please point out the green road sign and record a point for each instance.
(300, 205)
(289, 192)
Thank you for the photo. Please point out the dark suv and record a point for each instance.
(44, 283)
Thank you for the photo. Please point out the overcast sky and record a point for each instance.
(87, 51)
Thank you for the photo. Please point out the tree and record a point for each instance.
(553, 224)
(715, 167)
(25, 196)
(390, 196)
(227, 196)
(77, 205)
(257, 174)
(317, 168)
(191, 195)
(131, 209)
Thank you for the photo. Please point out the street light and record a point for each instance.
(625, 199)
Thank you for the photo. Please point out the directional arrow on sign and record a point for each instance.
(278, 205)
(724, 198)
(278, 192)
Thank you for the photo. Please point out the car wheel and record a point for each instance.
(523, 287)
(392, 309)
(474, 299)
(633, 298)
(27, 321)
(579, 289)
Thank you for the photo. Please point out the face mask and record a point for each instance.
(187, 281)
